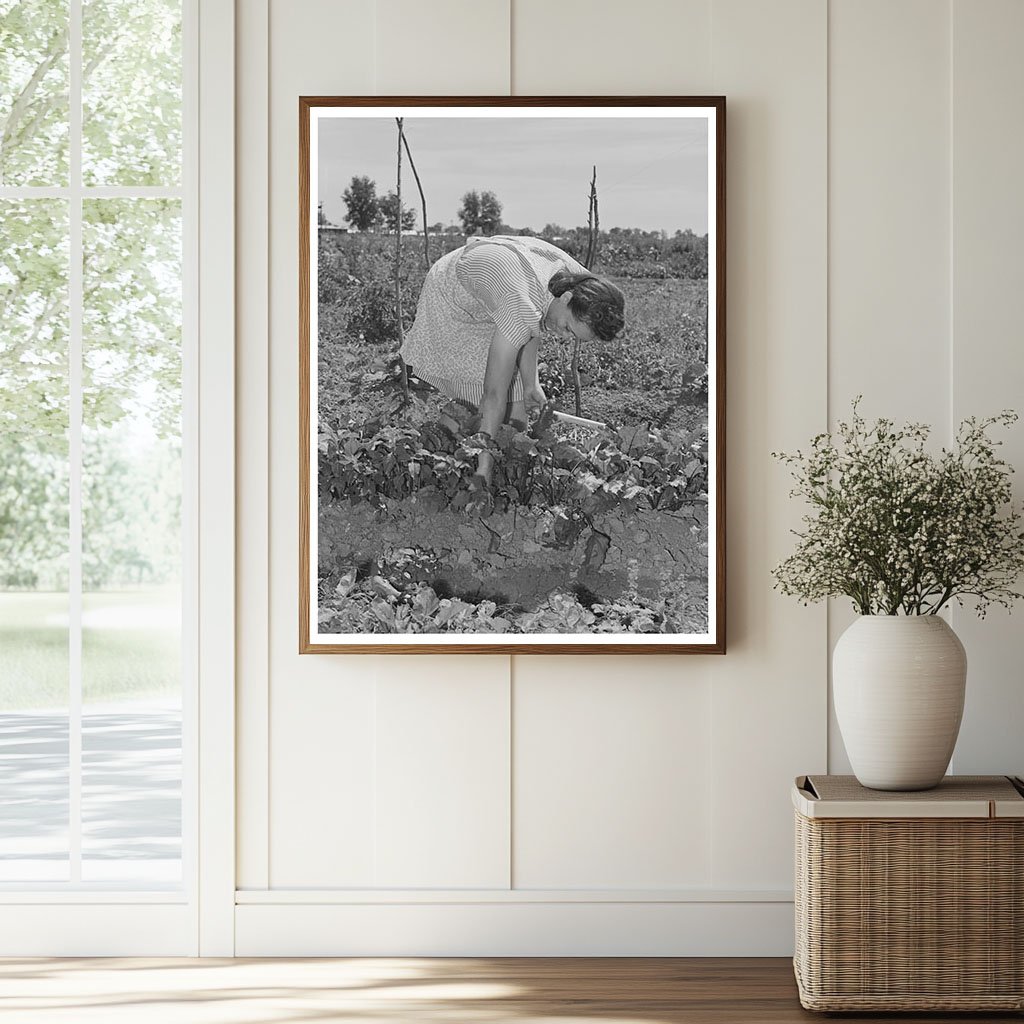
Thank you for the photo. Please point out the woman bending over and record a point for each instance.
(482, 313)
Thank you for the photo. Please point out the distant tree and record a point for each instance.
(437, 229)
(490, 214)
(362, 203)
(320, 218)
(553, 231)
(388, 207)
(469, 213)
(480, 213)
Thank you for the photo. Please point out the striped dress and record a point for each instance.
(500, 281)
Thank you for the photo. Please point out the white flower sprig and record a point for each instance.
(897, 529)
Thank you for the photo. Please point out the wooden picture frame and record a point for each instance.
(648, 482)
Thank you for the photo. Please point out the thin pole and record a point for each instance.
(398, 267)
(576, 376)
(593, 224)
(423, 198)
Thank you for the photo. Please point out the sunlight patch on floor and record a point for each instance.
(222, 991)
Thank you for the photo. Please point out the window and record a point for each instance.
(96, 471)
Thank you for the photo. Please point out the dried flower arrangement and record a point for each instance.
(900, 530)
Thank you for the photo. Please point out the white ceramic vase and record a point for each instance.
(898, 684)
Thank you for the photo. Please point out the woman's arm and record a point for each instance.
(501, 364)
(533, 393)
(528, 365)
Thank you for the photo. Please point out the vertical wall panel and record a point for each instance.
(987, 364)
(442, 797)
(889, 248)
(325, 730)
(611, 756)
(769, 692)
(321, 708)
(889, 209)
(576, 47)
(442, 48)
(611, 785)
(323, 776)
(442, 775)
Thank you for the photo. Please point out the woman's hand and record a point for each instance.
(480, 499)
(534, 397)
(484, 469)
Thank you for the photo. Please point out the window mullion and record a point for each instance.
(75, 333)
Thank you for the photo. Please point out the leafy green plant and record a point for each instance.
(379, 461)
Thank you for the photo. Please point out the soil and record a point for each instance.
(520, 557)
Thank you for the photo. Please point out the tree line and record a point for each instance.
(479, 214)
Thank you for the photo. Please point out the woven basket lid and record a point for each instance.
(957, 796)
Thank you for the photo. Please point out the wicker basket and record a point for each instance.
(910, 901)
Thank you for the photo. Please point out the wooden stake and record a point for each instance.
(576, 376)
(423, 198)
(398, 268)
(593, 225)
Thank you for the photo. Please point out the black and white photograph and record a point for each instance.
(512, 386)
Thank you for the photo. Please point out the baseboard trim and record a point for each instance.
(348, 897)
(515, 928)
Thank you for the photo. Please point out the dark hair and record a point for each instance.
(595, 301)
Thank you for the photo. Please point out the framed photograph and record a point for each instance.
(512, 375)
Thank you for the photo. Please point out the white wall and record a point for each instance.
(626, 805)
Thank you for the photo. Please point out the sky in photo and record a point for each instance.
(651, 171)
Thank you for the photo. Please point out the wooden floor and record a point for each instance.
(413, 991)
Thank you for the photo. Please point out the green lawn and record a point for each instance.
(130, 647)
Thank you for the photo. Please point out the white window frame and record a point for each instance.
(216, 393)
(197, 918)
